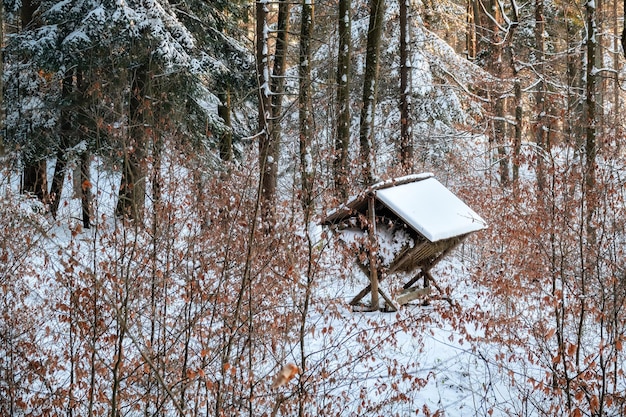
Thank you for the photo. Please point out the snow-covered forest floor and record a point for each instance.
(194, 307)
(162, 300)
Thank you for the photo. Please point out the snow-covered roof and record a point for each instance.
(422, 202)
(431, 209)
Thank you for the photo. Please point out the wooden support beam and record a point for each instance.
(360, 295)
(371, 211)
(411, 294)
(414, 280)
(357, 298)
(391, 305)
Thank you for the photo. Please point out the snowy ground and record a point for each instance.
(415, 361)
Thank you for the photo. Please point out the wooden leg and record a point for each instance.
(390, 303)
(413, 281)
(360, 295)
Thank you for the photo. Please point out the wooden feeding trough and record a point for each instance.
(404, 225)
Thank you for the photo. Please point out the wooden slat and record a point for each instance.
(411, 294)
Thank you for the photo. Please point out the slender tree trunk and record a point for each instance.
(342, 142)
(519, 120)
(58, 178)
(116, 372)
(35, 179)
(226, 138)
(2, 150)
(624, 32)
(491, 45)
(471, 39)
(132, 193)
(541, 125)
(601, 81)
(304, 313)
(85, 188)
(574, 126)
(370, 87)
(590, 120)
(277, 87)
(304, 106)
(268, 167)
(406, 139)
(85, 158)
(94, 336)
(501, 94)
(517, 94)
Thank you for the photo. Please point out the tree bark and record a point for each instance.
(226, 138)
(267, 166)
(35, 179)
(492, 50)
(82, 184)
(624, 33)
(590, 119)
(85, 184)
(304, 107)
(277, 88)
(342, 141)
(132, 193)
(370, 87)
(471, 38)
(58, 178)
(406, 140)
(541, 124)
(2, 150)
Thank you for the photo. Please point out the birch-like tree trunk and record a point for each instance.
(267, 165)
(277, 86)
(624, 33)
(342, 141)
(370, 89)
(590, 117)
(541, 124)
(1, 80)
(406, 139)
(304, 107)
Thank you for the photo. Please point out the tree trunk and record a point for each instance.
(35, 179)
(519, 120)
(590, 120)
(541, 125)
(370, 87)
(132, 193)
(35, 167)
(277, 87)
(491, 47)
(624, 33)
(85, 184)
(406, 140)
(574, 126)
(471, 40)
(267, 166)
(226, 138)
(85, 160)
(342, 142)
(304, 107)
(2, 150)
(58, 178)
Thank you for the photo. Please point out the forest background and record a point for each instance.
(166, 166)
